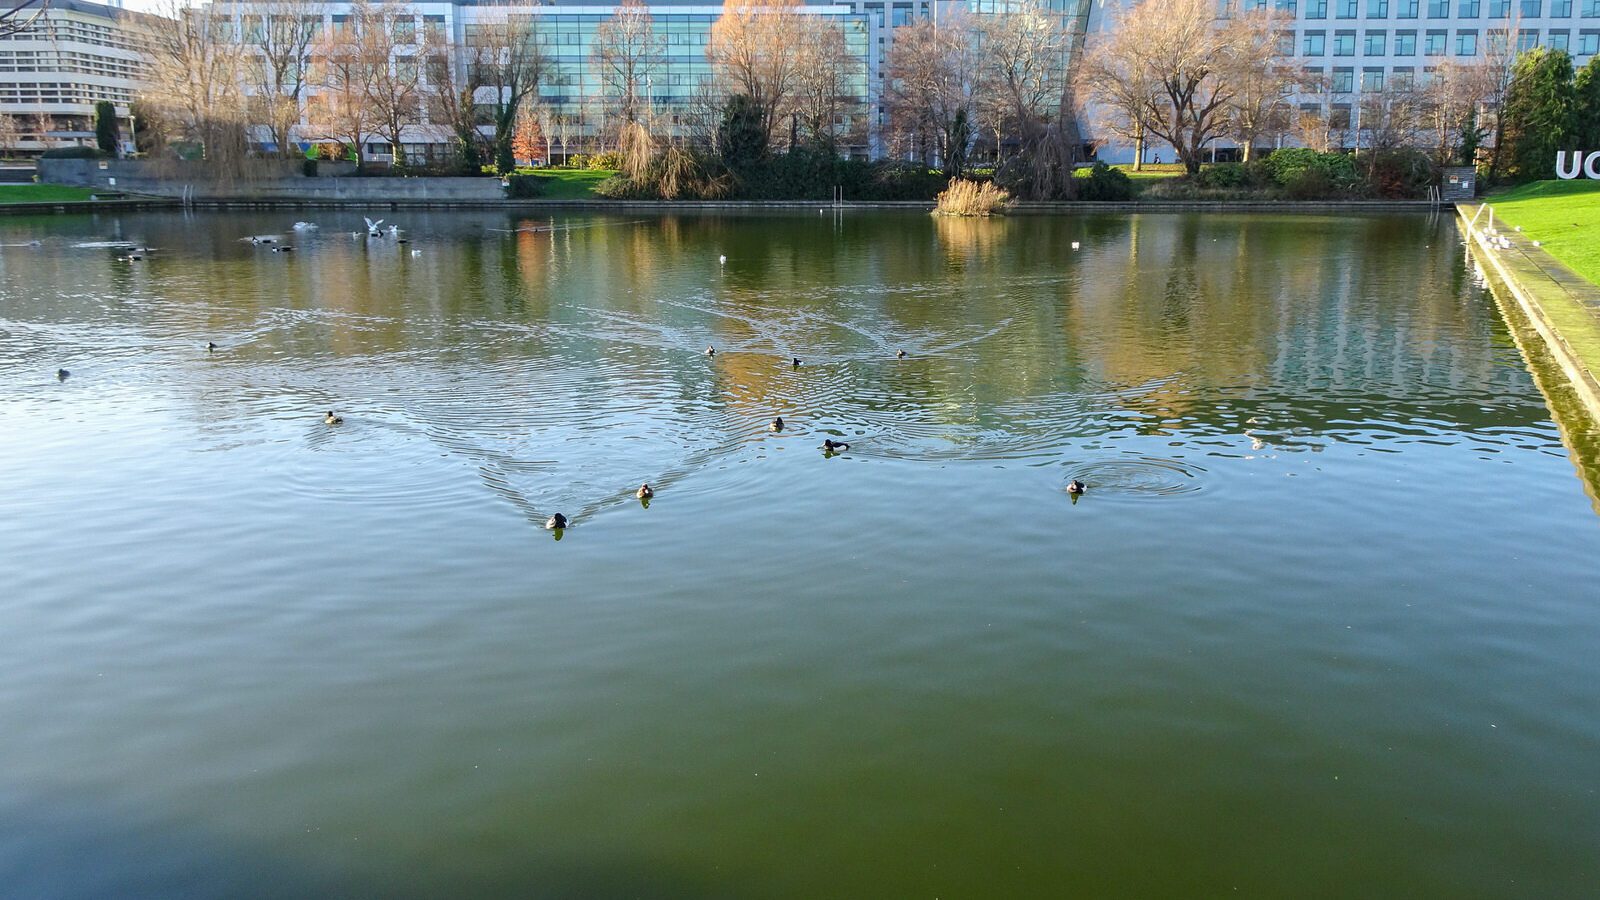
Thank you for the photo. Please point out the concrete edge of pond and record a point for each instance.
(1560, 305)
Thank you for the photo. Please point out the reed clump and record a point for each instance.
(971, 198)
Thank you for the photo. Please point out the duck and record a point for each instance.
(555, 522)
(900, 355)
(722, 260)
(711, 351)
(645, 492)
(1076, 487)
(833, 446)
(796, 362)
(282, 249)
(61, 374)
(331, 419)
(777, 423)
(211, 347)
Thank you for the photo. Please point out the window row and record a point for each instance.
(1434, 42)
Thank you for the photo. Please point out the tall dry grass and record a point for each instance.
(970, 198)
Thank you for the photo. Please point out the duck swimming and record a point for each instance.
(555, 522)
(900, 355)
(797, 362)
(331, 419)
(61, 374)
(645, 492)
(211, 347)
(777, 423)
(711, 351)
(1076, 487)
(833, 446)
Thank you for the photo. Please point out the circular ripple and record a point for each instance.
(1140, 477)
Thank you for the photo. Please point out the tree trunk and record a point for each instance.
(1138, 150)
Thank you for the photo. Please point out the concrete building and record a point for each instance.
(1367, 46)
(73, 55)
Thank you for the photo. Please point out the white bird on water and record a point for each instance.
(372, 227)
(305, 226)
(722, 260)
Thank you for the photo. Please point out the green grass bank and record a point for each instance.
(571, 184)
(42, 193)
(1563, 216)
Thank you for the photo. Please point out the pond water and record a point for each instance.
(1323, 623)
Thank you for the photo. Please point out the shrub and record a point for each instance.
(578, 161)
(308, 168)
(970, 198)
(1402, 174)
(610, 159)
(525, 187)
(1288, 164)
(1103, 183)
(1310, 184)
(75, 153)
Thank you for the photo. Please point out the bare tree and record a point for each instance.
(1196, 65)
(827, 105)
(1262, 80)
(193, 82)
(341, 110)
(451, 102)
(933, 86)
(394, 55)
(755, 48)
(1114, 77)
(1393, 117)
(44, 127)
(10, 134)
(280, 35)
(1023, 66)
(506, 66)
(627, 52)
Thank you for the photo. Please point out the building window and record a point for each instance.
(1469, 9)
(1344, 79)
(1287, 6)
(1499, 9)
(1377, 9)
(1466, 43)
(1438, 9)
(1434, 43)
(1404, 78)
(1318, 9)
(1339, 116)
(1559, 39)
(1345, 9)
(1285, 43)
(1344, 43)
(1560, 9)
(1588, 43)
(1407, 9)
(1372, 80)
(1316, 43)
(1311, 80)
(1376, 44)
(1405, 43)
(1254, 5)
(1591, 9)
(1527, 39)
(1532, 9)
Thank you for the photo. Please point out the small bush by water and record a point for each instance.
(970, 198)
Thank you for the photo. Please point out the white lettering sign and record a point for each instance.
(1570, 162)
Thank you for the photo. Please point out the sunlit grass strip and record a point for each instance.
(42, 193)
(970, 198)
(1563, 216)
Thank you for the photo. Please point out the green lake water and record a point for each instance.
(1323, 625)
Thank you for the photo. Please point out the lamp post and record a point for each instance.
(133, 133)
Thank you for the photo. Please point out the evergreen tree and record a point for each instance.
(105, 126)
(742, 136)
(1538, 112)
(1586, 109)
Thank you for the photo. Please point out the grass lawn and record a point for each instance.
(1151, 171)
(1563, 215)
(572, 184)
(41, 193)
